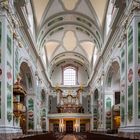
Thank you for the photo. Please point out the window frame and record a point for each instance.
(71, 67)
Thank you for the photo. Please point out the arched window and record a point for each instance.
(69, 76)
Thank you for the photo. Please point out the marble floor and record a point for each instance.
(69, 137)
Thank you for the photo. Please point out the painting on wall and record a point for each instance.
(30, 114)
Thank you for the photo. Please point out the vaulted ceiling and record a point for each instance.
(69, 29)
(98, 5)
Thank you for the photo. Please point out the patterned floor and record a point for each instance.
(69, 137)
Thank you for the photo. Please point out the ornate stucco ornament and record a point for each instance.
(135, 6)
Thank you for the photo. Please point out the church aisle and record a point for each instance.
(69, 137)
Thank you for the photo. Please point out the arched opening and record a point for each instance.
(112, 98)
(26, 77)
(22, 88)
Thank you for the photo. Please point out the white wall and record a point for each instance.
(57, 75)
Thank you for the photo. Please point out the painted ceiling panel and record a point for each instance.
(88, 47)
(39, 7)
(99, 7)
(56, 7)
(69, 41)
(59, 50)
(51, 46)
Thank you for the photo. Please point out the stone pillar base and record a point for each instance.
(129, 132)
(34, 132)
(9, 136)
(9, 132)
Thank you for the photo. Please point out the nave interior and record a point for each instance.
(72, 136)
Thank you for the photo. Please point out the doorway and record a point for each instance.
(69, 126)
(82, 127)
(55, 127)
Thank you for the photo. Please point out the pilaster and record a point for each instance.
(91, 121)
(77, 125)
(130, 127)
(47, 109)
(7, 129)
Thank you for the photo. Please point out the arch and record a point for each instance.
(30, 67)
(96, 94)
(58, 59)
(112, 95)
(112, 69)
(116, 59)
